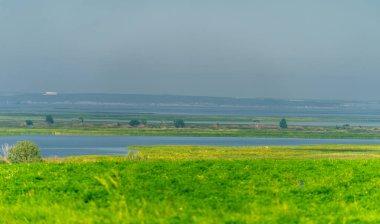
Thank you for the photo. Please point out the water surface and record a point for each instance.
(59, 146)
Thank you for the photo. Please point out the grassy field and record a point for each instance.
(162, 125)
(194, 184)
(311, 132)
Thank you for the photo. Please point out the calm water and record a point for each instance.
(52, 146)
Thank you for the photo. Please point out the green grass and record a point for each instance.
(311, 152)
(312, 132)
(195, 184)
(69, 124)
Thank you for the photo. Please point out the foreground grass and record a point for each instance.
(193, 184)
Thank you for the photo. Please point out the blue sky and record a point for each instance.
(274, 49)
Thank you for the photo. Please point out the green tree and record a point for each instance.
(179, 123)
(49, 119)
(283, 123)
(29, 122)
(134, 123)
(24, 152)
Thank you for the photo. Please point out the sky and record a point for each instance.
(245, 48)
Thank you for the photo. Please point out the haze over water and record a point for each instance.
(126, 104)
(266, 49)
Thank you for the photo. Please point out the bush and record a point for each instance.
(283, 123)
(49, 119)
(134, 123)
(24, 152)
(179, 123)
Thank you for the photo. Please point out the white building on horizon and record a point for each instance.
(50, 93)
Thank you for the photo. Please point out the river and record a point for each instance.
(60, 146)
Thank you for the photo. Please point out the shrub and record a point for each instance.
(24, 152)
(179, 123)
(283, 123)
(49, 119)
(29, 122)
(134, 123)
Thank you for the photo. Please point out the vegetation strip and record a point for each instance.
(165, 125)
(326, 133)
(193, 184)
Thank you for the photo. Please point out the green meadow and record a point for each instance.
(308, 132)
(195, 126)
(197, 184)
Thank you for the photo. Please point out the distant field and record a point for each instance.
(194, 184)
(311, 152)
(162, 125)
(312, 132)
(88, 117)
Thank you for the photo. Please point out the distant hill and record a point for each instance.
(184, 105)
(158, 99)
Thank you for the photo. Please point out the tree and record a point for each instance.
(24, 152)
(134, 123)
(179, 123)
(29, 122)
(49, 119)
(283, 123)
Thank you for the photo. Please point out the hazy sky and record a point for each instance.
(276, 49)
